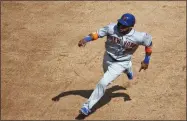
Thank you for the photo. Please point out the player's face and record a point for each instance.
(122, 28)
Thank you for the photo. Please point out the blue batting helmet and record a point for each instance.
(127, 19)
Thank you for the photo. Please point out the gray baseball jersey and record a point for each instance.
(121, 47)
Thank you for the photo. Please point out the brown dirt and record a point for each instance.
(40, 59)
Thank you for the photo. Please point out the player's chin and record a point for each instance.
(120, 31)
(123, 32)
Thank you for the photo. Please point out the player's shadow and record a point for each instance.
(103, 101)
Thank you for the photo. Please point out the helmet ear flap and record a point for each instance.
(134, 22)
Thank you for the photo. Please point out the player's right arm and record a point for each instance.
(93, 36)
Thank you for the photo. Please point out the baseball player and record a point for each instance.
(121, 42)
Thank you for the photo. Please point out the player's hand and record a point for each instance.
(81, 43)
(143, 66)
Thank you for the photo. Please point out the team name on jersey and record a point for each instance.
(114, 40)
(127, 43)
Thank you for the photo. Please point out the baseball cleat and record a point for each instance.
(84, 111)
(130, 76)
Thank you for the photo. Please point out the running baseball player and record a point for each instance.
(122, 41)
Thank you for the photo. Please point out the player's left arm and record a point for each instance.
(147, 42)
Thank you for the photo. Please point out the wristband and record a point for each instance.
(146, 59)
(88, 38)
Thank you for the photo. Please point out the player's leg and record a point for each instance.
(107, 61)
(129, 71)
(114, 70)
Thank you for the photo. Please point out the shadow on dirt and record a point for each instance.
(103, 101)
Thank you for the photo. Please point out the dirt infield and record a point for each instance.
(40, 59)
